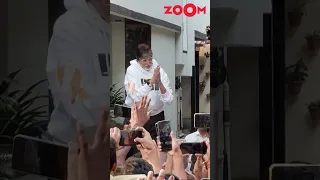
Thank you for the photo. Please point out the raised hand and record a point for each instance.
(139, 113)
(93, 160)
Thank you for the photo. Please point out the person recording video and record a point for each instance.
(202, 134)
(145, 77)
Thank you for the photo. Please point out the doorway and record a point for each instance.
(135, 33)
(195, 89)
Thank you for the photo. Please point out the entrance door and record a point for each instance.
(195, 89)
(135, 33)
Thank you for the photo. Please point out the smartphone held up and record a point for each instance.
(193, 148)
(163, 132)
(201, 120)
(35, 156)
(128, 136)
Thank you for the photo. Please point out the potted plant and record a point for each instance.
(218, 69)
(208, 32)
(202, 85)
(202, 67)
(313, 41)
(208, 96)
(314, 110)
(208, 74)
(19, 115)
(116, 97)
(207, 54)
(296, 75)
(295, 16)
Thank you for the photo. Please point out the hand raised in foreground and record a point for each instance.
(139, 113)
(161, 176)
(92, 162)
(149, 150)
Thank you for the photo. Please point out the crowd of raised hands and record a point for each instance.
(96, 161)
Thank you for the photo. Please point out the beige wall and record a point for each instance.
(204, 103)
(302, 143)
(117, 53)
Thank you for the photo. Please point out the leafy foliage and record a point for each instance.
(297, 72)
(116, 95)
(218, 70)
(314, 105)
(17, 112)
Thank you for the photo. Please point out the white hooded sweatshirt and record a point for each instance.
(77, 70)
(136, 87)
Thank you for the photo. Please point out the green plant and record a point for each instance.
(296, 15)
(202, 85)
(313, 40)
(17, 112)
(218, 69)
(296, 75)
(314, 112)
(297, 72)
(116, 95)
(314, 105)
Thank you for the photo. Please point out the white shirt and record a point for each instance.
(136, 86)
(194, 137)
(78, 70)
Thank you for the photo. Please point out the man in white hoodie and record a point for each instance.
(78, 68)
(145, 77)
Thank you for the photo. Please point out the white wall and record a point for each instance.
(246, 28)
(302, 142)
(153, 8)
(243, 80)
(163, 47)
(28, 41)
(117, 53)
(201, 21)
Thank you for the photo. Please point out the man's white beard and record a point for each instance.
(147, 69)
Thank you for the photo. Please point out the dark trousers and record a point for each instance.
(151, 128)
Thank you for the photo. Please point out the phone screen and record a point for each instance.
(193, 148)
(294, 171)
(122, 111)
(128, 136)
(35, 156)
(202, 120)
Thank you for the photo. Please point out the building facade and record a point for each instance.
(171, 38)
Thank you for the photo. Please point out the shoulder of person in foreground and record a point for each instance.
(72, 23)
(128, 177)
